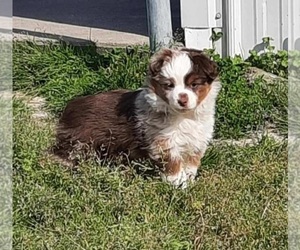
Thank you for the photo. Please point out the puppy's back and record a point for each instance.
(104, 121)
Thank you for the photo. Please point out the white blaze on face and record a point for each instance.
(179, 66)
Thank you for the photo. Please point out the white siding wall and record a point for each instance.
(294, 24)
(245, 23)
(263, 18)
(197, 19)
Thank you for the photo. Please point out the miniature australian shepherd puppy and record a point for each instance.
(170, 120)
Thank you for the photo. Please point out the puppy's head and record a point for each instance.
(182, 78)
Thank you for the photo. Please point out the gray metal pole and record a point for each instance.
(159, 23)
(225, 28)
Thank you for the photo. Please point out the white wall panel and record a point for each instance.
(248, 26)
(294, 24)
(245, 22)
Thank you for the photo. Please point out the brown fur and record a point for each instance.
(203, 74)
(194, 160)
(205, 68)
(104, 121)
(168, 165)
(158, 83)
(159, 89)
(158, 61)
(172, 167)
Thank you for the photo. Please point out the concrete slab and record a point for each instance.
(5, 23)
(25, 28)
(128, 16)
(58, 29)
(106, 22)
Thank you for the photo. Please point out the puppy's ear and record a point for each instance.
(158, 60)
(203, 65)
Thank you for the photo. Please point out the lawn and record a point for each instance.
(239, 200)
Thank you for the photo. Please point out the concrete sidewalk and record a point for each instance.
(26, 28)
(104, 22)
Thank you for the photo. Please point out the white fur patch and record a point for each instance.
(158, 104)
(179, 66)
(191, 172)
(182, 178)
(178, 180)
(185, 133)
(174, 96)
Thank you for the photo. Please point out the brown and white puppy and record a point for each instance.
(170, 121)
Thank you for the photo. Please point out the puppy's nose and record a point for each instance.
(183, 99)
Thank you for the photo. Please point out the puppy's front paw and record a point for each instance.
(178, 180)
(191, 172)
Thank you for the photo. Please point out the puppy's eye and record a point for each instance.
(170, 85)
(194, 85)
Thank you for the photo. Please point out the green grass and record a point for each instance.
(275, 62)
(239, 200)
(247, 106)
(60, 72)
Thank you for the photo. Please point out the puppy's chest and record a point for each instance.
(183, 136)
(186, 133)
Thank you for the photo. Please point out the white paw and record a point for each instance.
(178, 180)
(191, 172)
